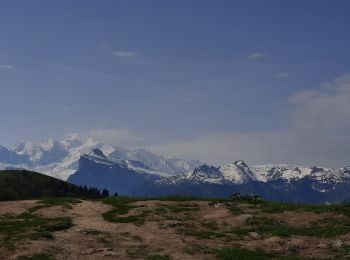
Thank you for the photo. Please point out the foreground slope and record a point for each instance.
(20, 184)
(180, 228)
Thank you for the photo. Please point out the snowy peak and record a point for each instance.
(101, 160)
(234, 173)
(240, 173)
(170, 166)
(73, 140)
(240, 163)
(31, 150)
(206, 171)
(98, 153)
(19, 147)
(61, 158)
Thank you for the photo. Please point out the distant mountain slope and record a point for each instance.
(16, 185)
(120, 176)
(273, 182)
(172, 166)
(60, 158)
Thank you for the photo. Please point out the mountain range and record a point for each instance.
(60, 158)
(84, 161)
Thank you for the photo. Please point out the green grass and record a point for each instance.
(211, 225)
(241, 232)
(194, 248)
(55, 201)
(28, 226)
(177, 208)
(187, 198)
(121, 207)
(322, 228)
(42, 256)
(201, 234)
(60, 201)
(158, 257)
(240, 253)
(246, 254)
(93, 232)
(279, 207)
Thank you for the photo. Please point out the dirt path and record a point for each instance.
(92, 237)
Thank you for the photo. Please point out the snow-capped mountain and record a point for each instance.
(98, 170)
(55, 158)
(237, 172)
(276, 182)
(171, 166)
(141, 172)
(60, 159)
(240, 173)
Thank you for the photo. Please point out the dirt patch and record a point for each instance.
(16, 207)
(302, 218)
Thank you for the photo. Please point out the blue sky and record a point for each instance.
(263, 81)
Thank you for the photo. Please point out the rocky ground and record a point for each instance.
(158, 229)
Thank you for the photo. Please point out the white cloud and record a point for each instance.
(115, 136)
(58, 66)
(6, 67)
(326, 108)
(123, 55)
(319, 134)
(292, 147)
(66, 108)
(258, 55)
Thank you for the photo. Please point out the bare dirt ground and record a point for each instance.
(16, 207)
(177, 230)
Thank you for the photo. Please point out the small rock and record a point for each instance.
(217, 205)
(89, 251)
(110, 254)
(243, 217)
(337, 244)
(254, 234)
(321, 245)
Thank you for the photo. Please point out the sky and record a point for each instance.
(263, 81)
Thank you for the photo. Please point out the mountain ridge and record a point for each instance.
(289, 183)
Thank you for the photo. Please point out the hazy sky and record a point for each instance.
(263, 81)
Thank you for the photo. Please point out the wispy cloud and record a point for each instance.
(66, 108)
(319, 134)
(257, 55)
(136, 83)
(282, 75)
(326, 108)
(55, 65)
(6, 67)
(115, 136)
(123, 55)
